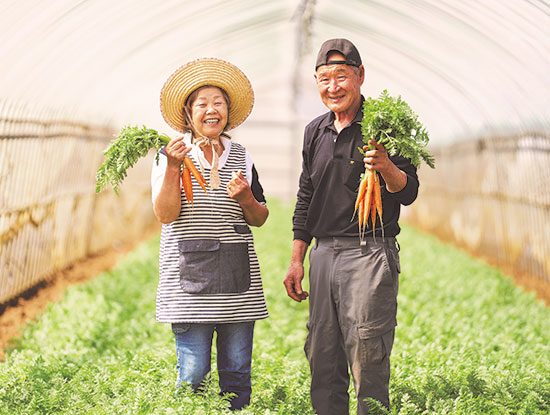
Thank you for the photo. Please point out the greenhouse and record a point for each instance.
(79, 265)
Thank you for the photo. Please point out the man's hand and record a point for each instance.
(293, 282)
(378, 158)
(379, 161)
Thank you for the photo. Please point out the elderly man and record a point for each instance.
(353, 286)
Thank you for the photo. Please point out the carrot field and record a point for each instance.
(468, 341)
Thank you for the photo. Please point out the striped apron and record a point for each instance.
(209, 271)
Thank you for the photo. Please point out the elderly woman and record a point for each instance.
(209, 273)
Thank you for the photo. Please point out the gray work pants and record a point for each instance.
(352, 319)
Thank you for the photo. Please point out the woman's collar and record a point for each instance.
(197, 152)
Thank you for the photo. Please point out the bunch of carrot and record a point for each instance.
(389, 121)
(188, 169)
(133, 143)
(369, 201)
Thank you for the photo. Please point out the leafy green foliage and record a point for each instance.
(468, 342)
(391, 122)
(130, 145)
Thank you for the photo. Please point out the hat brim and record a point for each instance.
(201, 72)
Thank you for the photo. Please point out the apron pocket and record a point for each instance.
(208, 266)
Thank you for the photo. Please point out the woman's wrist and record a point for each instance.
(173, 168)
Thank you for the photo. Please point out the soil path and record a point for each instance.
(17, 312)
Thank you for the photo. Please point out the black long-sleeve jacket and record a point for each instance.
(331, 170)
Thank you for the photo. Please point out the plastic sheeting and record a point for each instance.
(464, 67)
(73, 72)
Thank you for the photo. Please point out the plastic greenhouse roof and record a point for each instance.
(465, 67)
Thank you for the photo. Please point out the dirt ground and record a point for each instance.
(525, 280)
(15, 314)
(530, 283)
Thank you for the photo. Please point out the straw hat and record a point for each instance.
(201, 72)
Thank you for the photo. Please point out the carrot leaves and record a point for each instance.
(391, 122)
(131, 144)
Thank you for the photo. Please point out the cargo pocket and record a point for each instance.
(374, 349)
(208, 266)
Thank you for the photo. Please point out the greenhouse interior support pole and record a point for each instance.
(304, 16)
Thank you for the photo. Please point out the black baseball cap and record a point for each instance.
(344, 46)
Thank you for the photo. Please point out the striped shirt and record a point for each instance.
(213, 217)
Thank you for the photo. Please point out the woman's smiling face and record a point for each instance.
(209, 111)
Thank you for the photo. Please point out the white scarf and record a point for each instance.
(202, 141)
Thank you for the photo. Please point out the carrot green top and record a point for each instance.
(391, 122)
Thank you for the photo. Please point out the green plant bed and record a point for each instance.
(468, 341)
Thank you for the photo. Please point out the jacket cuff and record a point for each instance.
(408, 194)
(303, 236)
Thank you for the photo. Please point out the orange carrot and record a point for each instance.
(378, 196)
(197, 174)
(187, 184)
(361, 212)
(368, 195)
(373, 217)
(369, 201)
(360, 194)
(378, 202)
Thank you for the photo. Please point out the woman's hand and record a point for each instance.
(167, 205)
(238, 189)
(176, 150)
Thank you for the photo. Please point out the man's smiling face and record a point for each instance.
(339, 84)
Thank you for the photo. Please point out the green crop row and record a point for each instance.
(468, 342)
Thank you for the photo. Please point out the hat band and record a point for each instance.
(346, 62)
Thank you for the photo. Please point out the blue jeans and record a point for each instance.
(234, 350)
